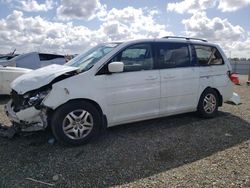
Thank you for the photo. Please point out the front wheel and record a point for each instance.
(208, 104)
(76, 122)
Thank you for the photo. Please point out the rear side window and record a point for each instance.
(47, 57)
(171, 55)
(207, 55)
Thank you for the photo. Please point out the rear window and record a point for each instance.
(207, 55)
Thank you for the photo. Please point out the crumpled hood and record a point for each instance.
(39, 77)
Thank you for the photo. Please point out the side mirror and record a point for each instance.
(115, 67)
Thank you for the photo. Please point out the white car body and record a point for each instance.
(7, 75)
(123, 97)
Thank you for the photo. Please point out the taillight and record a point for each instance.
(234, 77)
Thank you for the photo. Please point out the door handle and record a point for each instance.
(151, 78)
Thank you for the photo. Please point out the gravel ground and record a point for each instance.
(177, 151)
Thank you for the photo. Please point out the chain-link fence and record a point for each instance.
(240, 66)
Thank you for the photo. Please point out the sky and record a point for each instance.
(70, 26)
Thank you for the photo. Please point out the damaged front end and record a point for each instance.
(26, 111)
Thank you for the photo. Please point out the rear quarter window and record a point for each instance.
(208, 55)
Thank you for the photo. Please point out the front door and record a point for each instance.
(133, 94)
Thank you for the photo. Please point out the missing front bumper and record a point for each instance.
(27, 120)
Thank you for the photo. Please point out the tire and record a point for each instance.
(76, 123)
(208, 104)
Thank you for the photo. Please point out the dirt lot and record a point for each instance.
(178, 151)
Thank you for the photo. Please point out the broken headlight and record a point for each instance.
(35, 98)
(27, 100)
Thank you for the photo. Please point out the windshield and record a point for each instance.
(87, 59)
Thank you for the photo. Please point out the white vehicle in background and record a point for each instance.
(7, 75)
(12, 67)
(5, 57)
(33, 60)
(117, 83)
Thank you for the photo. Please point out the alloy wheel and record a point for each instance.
(78, 124)
(209, 103)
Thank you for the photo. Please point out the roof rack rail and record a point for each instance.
(187, 38)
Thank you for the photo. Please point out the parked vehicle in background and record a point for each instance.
(7, 75)
(13, 66)
(34, 60)
(7, 57)
(117, 83)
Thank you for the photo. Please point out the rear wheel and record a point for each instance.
(208, 104)
(76, 122)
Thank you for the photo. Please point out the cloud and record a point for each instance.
(78, 9)
(132, 23)
(33, 5)
(191, 6)
(34, 33)
(232, 38)
(216, 30)
(232, 5)
(38, 34)
(241, 48)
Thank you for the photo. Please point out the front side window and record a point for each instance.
(171, 55)
(136, 58)
(207, 55)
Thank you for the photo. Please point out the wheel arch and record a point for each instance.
(50, 111)
(218, 93)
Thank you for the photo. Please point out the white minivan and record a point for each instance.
(121, 82)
